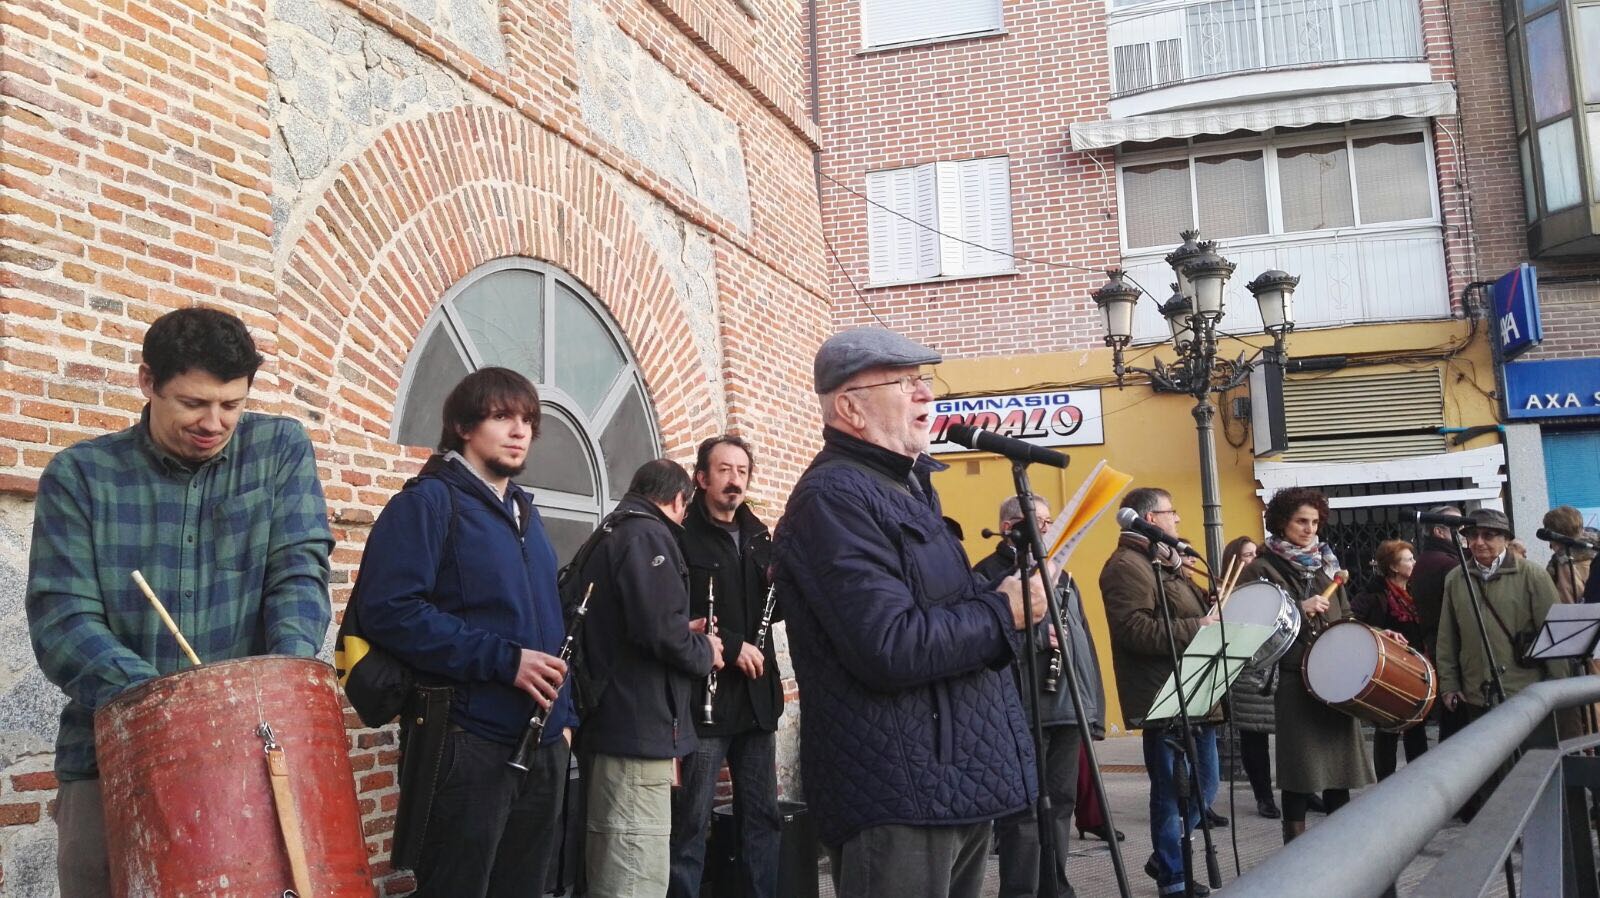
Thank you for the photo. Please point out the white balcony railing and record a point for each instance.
(1353, 277)
(1156, 45)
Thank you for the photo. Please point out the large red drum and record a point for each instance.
(188, 799)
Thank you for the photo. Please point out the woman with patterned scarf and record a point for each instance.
(1319, 750)
(1387, 604)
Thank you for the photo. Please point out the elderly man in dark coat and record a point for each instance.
(912, 735)
(1018, 834)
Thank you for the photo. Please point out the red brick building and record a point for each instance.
(614, 196)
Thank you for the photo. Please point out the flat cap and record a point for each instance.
(1488, 519)
(852, 351)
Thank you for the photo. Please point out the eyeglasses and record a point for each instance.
(908, 383)
(1165, 511)
(1485, 535)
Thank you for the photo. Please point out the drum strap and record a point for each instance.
(288, 820)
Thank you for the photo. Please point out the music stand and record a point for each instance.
(1569, 633)
(1209, 666)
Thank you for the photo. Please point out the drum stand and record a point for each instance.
(1187, 786)
(1031, 555)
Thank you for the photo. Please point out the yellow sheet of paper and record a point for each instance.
(1094, 497)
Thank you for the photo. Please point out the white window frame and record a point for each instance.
(1270, 144)
(946, 238)
(922, 11)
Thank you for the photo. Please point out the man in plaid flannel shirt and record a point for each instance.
(222, 512)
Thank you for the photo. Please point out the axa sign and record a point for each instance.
(1553, 388)
(1516, 311)
(1057, 418)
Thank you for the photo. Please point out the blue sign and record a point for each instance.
(1516, 311)
(1554, 388)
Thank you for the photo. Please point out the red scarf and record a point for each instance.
(1402, 608)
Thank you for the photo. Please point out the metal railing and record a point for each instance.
(1175, 43)
(1363, 848)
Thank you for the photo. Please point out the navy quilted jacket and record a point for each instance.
(908, 714)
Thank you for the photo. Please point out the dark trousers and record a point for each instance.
(493, 830)
(753, 767)
(1018, 834)
(1256, 757)
(1384, 746)
(925, 861)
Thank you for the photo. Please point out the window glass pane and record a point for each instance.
(1155, 202)
(439, 368)
(626, 442)
(1530, 199)
(558, 460)
(1589, 51)
(1594, 157)
(1221, 37)
(567, 533)
(1315, 184)
(1519, 104)
(504, 317)
(1558, 166)
(1231, 191)
(587, 360)
(1393, 177)
(1301, 32)
(1547, 67)
(1529, 7)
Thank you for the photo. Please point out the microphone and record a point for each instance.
(1570, 542)
(1014, 449)
(1129, 519)
(1443, 520)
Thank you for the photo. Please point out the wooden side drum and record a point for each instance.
(1366, 674)
(188, 800)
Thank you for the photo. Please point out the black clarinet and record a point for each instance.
(766, 617)
(706, 717)
(522, 755)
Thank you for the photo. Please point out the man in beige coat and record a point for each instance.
(1142, 661)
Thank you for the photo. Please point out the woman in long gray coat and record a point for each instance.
(1250, 698)
(1319, 749)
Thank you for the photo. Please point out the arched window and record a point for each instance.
(531, 317)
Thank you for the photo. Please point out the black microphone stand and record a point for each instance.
(1186, 782)
(1030, 554)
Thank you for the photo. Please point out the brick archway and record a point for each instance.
(430, 200)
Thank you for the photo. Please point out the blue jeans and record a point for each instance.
(1166, 829)
(752, 765)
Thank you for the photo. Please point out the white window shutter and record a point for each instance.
(880, 227)
(927, 238)
(886, 22)
(952, 252)
(991, 218)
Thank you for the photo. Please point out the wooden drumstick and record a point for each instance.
(1223, 584)
(166, 618)
(1339, 579)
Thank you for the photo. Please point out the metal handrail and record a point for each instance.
(1362, 849)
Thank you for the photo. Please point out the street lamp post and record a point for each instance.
(1193, 314)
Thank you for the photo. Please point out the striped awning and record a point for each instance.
(1417, 101)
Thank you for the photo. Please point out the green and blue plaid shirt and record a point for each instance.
(237, 549)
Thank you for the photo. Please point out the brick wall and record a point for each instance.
(145, 165)
(1570, 313)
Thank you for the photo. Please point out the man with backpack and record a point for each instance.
(458, 582)
(642, 661)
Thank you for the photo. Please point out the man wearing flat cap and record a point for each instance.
(913, 737)
(1517, 596)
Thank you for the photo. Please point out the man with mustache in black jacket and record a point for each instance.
(727, 547)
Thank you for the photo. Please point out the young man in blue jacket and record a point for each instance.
(459, 581)
(913, 736)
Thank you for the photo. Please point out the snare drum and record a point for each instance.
(1367, 674)
(1266, 605)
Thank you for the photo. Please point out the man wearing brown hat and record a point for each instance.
(914, 736)
(1517, 596)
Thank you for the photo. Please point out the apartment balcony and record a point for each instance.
(1351, 277)
(1176, 54)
